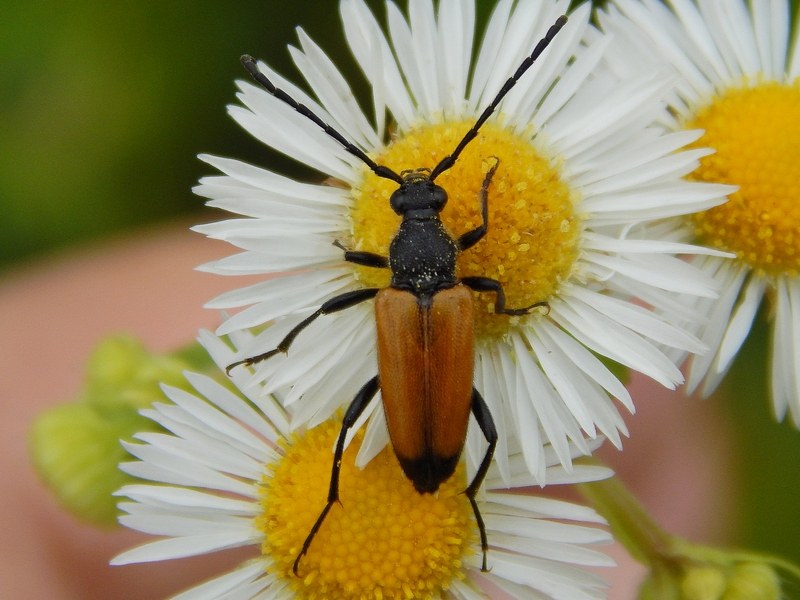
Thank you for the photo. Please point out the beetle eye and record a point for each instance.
(439, 197)
(398, 200)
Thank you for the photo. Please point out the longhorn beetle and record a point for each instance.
(424, 320)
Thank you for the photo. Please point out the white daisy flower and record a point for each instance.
(227, 473)
(739, 82)
(578, 169)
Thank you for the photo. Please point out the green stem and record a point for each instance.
(680, 569)
(630, 524)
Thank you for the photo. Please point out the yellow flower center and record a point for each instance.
(756, 134)
(384, 541)
(533, 233)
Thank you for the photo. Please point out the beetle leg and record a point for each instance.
(337, 303)
(485, 284)
(357, 406)
(469, 239)
(484, 418)
(368, 259)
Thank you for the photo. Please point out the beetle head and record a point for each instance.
(418, 193)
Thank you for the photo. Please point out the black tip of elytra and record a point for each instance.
(428, 472)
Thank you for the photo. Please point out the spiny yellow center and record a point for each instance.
(384, 541)
(756, 134)
(533, 232)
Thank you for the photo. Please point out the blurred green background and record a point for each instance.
(104, 107)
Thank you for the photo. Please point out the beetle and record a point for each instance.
(424, 320)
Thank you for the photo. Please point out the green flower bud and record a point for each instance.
(705, 582)
(754, 581)
(121, 372)
(76, 452)
(76, 447)
(660, 584)
(724, 576)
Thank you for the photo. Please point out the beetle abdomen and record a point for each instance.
(425, 367)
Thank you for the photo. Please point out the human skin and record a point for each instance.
(54, 311)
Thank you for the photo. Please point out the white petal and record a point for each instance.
(403, 43)
(785, 380)
(461, 590)
(663, 272)
(737, 27)
(271, 122)
(598, 332)
(277, 297)
(730, 278)
(489, 52)
(544, 507)
(662, 169)
(778, 37)
(589, 364)
(171, 522)
(376, 437)
(594, 241)
(324, 345)
(547, 68)
(558, 581)
(564, 385)
(698, 32)
(422, 24)
(570, 81)
(523, 414)
(276, 255)
(364, 35)
(181, 547)
(218, 456)
(638, 319)
(488, 381)
(168, 469)
(276, 415)
(668, 45)
(534, 389)
(220, 425)
(277, 185)
(456, 21)
(333, 92)
(183, 499)
(740, 323)
(551, 550)
(793, 67)
(516, 41)
(228, 583)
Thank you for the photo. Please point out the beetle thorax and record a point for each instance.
(422, 256)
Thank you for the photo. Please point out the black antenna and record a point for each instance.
(381, 171)
(449, 161)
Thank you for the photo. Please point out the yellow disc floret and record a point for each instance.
(383, 541)
(533, 234)
(756, 134)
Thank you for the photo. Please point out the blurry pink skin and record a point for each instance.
(53, 312)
